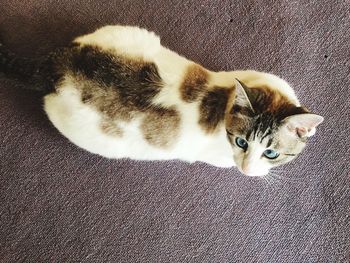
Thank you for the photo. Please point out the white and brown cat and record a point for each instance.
(119, 93)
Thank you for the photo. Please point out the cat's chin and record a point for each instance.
(253, 174)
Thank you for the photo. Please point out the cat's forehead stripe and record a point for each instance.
(269, 142)
(267, 135)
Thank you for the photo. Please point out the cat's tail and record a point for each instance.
(35, 73)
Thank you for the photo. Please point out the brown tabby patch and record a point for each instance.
(105, 100)
(110, 128)
(195, 83)
(121, 88)
(160, 126)
(213, 108)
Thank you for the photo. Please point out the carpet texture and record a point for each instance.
(59, 203)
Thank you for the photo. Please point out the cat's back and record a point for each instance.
(118, 96)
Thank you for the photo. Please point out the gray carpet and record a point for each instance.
(61, 204)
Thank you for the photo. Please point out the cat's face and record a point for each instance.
(266, 130)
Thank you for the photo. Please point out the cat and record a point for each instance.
(119, 93)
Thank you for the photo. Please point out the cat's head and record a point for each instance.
(266, 129)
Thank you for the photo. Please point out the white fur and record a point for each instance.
(80, 123)
(127, 40)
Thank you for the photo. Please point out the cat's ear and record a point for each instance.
(242, 95)
(303, 125)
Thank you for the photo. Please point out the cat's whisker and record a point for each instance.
(266, 180)
(270, 181)
(276, 173)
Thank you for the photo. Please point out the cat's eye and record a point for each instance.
(271, 154)
(241, 143)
